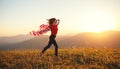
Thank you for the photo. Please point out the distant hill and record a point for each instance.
(14, 39)
(108, 39)
(6, 41)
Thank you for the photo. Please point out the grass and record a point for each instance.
(83, 58)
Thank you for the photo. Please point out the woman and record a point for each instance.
(53, 25)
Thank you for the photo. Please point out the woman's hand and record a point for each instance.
(58, 21)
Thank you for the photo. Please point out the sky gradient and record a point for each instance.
(22, 16)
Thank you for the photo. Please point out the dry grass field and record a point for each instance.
(83, 58)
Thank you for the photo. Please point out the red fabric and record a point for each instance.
(42, 29)
(54, 29)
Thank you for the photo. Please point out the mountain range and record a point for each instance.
(108, 39)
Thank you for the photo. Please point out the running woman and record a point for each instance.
(53, 25)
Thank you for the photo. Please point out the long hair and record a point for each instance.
(51, 21)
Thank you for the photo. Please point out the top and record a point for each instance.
(54, 29)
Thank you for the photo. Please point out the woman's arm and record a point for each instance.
(58, 21)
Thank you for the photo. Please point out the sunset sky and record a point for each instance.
(22, 16)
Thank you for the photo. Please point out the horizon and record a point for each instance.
(67, 34)
(108, 39)
(22, 16)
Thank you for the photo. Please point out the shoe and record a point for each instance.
(57, 58)
(40, 55)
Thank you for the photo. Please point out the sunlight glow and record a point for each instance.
(97, 23)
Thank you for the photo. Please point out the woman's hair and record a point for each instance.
(51, 21)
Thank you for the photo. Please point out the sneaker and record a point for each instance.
(40, 55)
(57, 58)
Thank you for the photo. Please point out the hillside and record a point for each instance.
(108, 39)
(14, 39)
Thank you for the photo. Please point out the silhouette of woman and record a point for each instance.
(53, 25)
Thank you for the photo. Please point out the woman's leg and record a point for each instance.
(52, 41)
(49, 44)
(56, 47)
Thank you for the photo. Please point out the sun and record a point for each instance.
(97, 23)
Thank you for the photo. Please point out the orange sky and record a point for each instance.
(22, 16)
